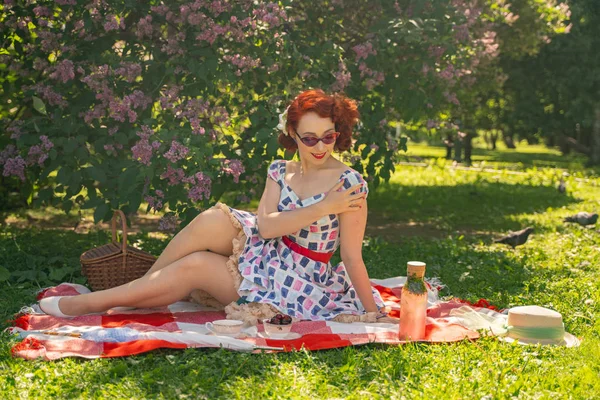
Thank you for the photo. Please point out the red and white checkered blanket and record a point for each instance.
(182, 325)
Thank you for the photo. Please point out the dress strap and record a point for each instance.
(276, 171)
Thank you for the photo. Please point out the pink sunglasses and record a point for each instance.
(312, 141)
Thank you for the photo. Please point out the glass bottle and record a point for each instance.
(413, 303)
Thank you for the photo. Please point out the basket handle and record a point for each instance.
(123, 228)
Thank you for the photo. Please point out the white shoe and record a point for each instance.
(49, 305)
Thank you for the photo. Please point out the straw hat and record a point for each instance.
(535, 324)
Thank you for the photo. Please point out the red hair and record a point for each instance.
(342, 110)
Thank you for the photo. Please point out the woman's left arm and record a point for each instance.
(352, 231)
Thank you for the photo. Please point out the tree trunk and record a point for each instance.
(494, 139)
(595, 142)
(508, 140)
(468, 145)
(449, 143)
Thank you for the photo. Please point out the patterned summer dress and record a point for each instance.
(291, 282)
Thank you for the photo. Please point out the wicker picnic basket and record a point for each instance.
(115, 264)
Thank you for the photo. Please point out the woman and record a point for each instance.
(277, 260)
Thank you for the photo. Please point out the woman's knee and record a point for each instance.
(208, 220)
(190, 267)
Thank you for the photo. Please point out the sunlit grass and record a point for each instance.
(556, 268)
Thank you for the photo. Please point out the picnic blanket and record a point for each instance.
(181, 325)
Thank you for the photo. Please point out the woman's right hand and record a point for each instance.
(339, 202)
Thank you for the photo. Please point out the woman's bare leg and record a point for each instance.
(211, 230)
(198, 270)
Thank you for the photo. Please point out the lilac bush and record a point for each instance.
(108, 104)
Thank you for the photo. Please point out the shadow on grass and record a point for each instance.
(482, 208)
(469, 272)
(517, 156)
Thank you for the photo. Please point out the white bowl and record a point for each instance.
(225, 326)
(276, 329)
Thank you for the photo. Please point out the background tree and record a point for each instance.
(108, 105)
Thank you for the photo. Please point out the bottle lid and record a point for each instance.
(416, 268)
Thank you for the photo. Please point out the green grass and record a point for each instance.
(458, 213)
(525, 156)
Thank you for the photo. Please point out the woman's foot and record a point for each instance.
(62, 306)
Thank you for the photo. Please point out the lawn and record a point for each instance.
(430, 211)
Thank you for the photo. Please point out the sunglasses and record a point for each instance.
(311, 141)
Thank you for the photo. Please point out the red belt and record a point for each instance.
(313, 255)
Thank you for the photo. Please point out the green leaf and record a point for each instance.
(101, 212)
(272, 146)
(92, 203)
(58, 274)
(63, 176)
(135, 199)
(75, 180)
(39, 105)
(67, 205)
(18, 47)
(4, 274)
(70, 146)
(96, 173)
(30, 198)
(126, 181)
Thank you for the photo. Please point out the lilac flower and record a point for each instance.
(142, 150)
(170, 97)
(48, 94)
(430, 124)
(436, 51)
(461, 32)
(129, 71)
(235, 168)
(160, 10)
(39, 64)
(448, 73)
(168, 223)
(15, 166)
(46, 142)
(196, 128)
(377, 78)
(153, 203)
(42, 11)
(174, 175)
(15, 129)
(176, 152)
(9, 152)
(451, 97)
(137, 99)
(342, 78)
(202, 187)
(244, 63)
(144, 27)
(364, 50)
(112, 24)
(64, 71)
(270, 14)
